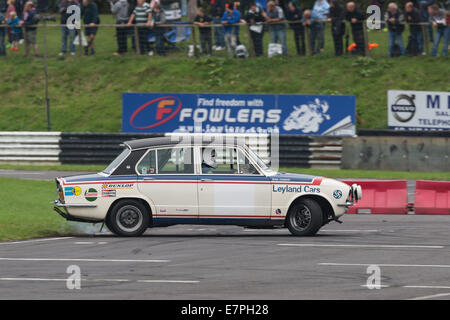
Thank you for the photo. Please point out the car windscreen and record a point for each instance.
(117, 161)
(257, 159)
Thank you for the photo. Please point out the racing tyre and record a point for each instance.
(304, 218)
(128, 218)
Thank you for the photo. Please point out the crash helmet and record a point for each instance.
(209, 157)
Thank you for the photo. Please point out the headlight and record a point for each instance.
(356, 192)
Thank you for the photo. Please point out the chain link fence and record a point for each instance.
(183, 39)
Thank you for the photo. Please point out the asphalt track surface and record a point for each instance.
(228, 262)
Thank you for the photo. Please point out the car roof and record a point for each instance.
(183, 140)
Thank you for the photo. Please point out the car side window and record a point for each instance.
(219, 160)
(175, 160)
(148, 164)
(245, 166)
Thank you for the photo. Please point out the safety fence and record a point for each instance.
(310, 151)
(86, 148)
(102, 148)
(182, 39)
(391, 197)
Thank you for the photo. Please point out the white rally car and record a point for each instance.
(167, 181)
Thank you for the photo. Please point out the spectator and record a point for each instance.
(395, 18)
(20, 6)
(159, 18)
(236, 6)
(230, 17)
(11, 8)
(356, 19)
(255, 17)
(2, 35)
(203, 21)
(320, 10)
(217, 11)
(121, 8)
(438, 20)
(294, 15)
(131, 6)
(310, 21)
(142, 15)
(337, 26)
(30, 21)
(89, 12)
(424, 6)
(277, 28)
(412, 16)
(65, 31)
(16, 31)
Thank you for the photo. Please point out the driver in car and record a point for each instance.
(209, 160)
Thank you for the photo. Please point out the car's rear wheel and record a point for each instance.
(128, 218)
(305, 218)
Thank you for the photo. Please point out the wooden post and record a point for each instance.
(80, 35)
(366, 40)
(426, 43)
(194, 39)
(308, 40)
(251, 46)
(136, 40)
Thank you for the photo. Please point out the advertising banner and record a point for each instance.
(418, 110)
(239, 113)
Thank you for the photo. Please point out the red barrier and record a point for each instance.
(432, 197)
(381, 196)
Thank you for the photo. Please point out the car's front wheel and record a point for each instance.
(304, 218)
(128, 218)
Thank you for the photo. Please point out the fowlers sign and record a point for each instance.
(239, 113)
(418, 110)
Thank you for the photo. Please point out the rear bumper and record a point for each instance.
(58, 203)
(63, 212)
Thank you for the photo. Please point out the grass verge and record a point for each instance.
(26, 210)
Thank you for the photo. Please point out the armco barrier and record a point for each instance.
(432, 197)
(310, 151)
(381, 196)
(87, 148)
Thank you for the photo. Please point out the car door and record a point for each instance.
(234, 191)
(167, 177)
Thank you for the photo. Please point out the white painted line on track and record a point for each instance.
(431, 296)
(101, 280)
(384, 265)
(381, 286)
(169, 281)
(384, 246)
(35, 240)
(340, 230)
(58, 279)
(428, 287)
(267, 230)
(90, 242)
(82, 260)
